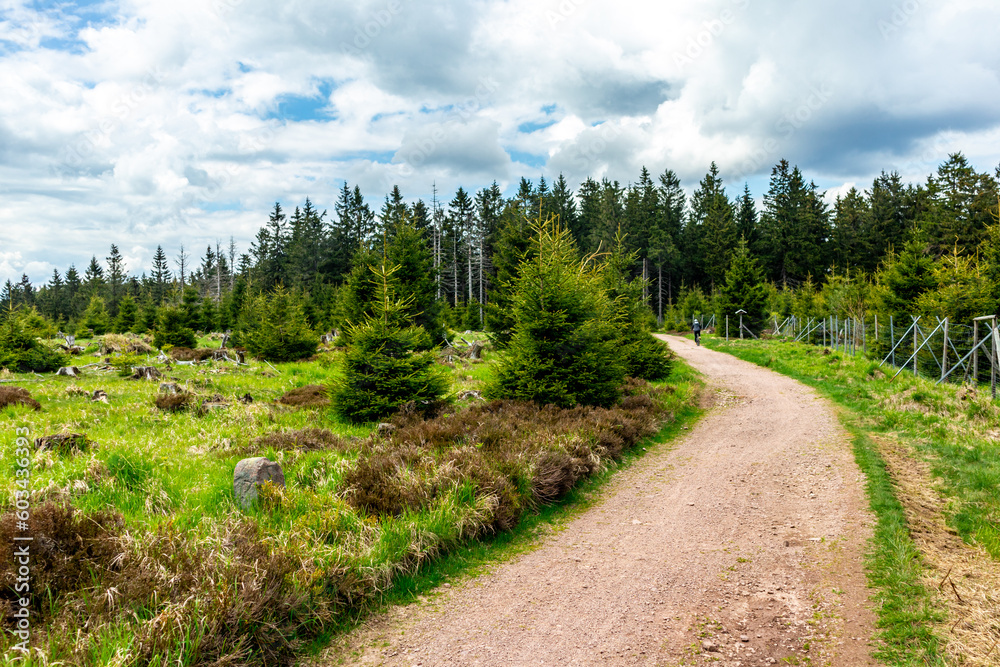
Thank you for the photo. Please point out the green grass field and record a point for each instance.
(170, 570)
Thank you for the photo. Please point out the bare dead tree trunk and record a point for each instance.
(659, 294)
(481, 323)
(232, 262)
(218, 270)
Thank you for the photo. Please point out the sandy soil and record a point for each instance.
(742, 544)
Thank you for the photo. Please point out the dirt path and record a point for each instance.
(741, 545)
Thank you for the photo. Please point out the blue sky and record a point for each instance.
(143, 122)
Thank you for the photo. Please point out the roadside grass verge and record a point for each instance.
(932, 463)
(143, 556)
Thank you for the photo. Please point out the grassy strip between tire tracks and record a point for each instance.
(946, 426)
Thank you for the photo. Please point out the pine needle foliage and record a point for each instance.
(274, 327)
(172, 329)
(744, 288)
(20, 351)
(644, 356)
(564, 349)
(382, 372)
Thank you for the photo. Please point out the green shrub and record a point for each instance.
(124, 363)
(96, 317)
(274, 327)
(172, 329)
(128, 315)
(23, 353)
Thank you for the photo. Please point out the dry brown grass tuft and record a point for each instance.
(187, 354)
(17, 396)
(174, 402)
(310, 396)
(67, 550)
(233, 588)
(64, 443)
(966, 578)
(125, 344)
(305, 440)
(516, 455)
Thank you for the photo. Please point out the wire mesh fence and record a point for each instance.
(931, 347)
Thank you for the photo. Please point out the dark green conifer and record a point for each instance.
(564, 349)
(381, 370)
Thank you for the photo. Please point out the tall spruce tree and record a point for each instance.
(643, 356)
(116, 279)
(795, 227)
(961, 201)
(712, 218)
(744, 289)
(161, 277)
(851, 225)
(746, 218)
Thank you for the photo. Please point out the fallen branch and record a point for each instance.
(956, 592)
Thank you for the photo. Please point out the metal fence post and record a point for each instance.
(993, 360)
(944, 352)
(915, 346)
(892, 340)
(975, 351)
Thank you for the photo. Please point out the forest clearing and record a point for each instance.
(499, 332)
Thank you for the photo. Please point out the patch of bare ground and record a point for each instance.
(966, 578)
(740, 544)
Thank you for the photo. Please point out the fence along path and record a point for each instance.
(932, 347)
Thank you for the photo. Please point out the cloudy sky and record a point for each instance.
(145, 122)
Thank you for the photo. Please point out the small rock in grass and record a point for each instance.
(99, 396)
(250, 474)
(69, 371)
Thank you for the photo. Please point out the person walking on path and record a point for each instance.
(696, 327)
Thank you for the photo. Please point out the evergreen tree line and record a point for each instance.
(915, 246)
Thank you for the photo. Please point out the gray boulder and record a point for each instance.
(250, 474)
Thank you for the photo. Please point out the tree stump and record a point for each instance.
(145, 373)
